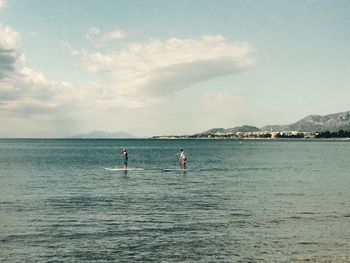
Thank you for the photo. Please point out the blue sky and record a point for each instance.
(169, 67)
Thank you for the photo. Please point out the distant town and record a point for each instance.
(336, 125)
(262, 135)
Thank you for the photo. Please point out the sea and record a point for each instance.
(238, 201)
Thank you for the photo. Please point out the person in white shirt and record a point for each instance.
(183, 159)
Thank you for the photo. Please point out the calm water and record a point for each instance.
(259, 201)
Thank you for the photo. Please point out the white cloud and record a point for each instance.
(23, 90)
(9, 39)
(100, 39)
(32, 77)
(162, 68)
(28, 87)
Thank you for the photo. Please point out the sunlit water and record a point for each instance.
(255, 201)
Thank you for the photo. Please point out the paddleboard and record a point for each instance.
(122, 169)
(173, 170)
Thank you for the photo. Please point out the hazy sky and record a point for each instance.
(169, 67)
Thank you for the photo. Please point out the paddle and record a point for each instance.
(178, 158)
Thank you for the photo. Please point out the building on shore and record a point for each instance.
(260, 135)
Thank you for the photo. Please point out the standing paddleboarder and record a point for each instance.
(182, 159)
(124, 154)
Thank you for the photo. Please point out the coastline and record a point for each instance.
(186, 138)
(252, 139)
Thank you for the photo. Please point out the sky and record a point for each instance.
(169, 67)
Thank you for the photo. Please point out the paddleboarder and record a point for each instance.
(183, 159)
(124, 154)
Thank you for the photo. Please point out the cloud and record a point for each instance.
(9, 57)
(100, 39)
(19, 85)
(7, 63)
(23, 90)
(2, 3)
(9, 39)
(28, 89)
(142, 76)
(162, 68)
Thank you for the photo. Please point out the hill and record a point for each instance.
(244, 128)
(212, 131)
(313, 123)
(331, 122)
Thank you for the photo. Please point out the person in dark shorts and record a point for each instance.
(124, 154)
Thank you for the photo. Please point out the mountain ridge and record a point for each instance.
(244, 128)
(316, 123)
(312, 123)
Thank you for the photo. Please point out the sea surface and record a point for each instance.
(239, 201)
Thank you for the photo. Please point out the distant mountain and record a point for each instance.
(275, 128)
(244, 128)
(212, 131)
(332, 122)
(313, 123)
(103, 135)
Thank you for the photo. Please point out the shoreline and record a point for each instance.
(257, 139)
(189, 138)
